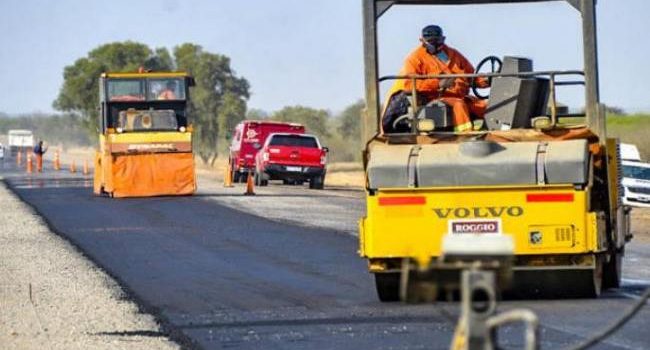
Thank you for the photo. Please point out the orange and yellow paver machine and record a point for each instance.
(145, 135)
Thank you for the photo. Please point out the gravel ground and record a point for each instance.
(51, 297)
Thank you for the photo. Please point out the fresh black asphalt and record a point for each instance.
(220, 278)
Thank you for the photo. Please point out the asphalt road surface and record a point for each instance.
(280, 270)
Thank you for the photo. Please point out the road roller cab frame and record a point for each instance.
(145, 135)
(549, 180)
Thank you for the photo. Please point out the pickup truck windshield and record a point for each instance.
(636, 172)
(293, 140)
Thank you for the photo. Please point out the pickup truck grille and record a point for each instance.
(643, 190)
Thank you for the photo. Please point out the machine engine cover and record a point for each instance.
(500, 164)
(515, 100)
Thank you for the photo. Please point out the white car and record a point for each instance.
(636, 183)
(2, 151)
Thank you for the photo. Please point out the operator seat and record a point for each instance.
(514, 101)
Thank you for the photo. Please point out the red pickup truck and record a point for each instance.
(248, 138)
(292, 158)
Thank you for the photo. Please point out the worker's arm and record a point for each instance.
(412, 66)
(468, 68)
(461, 85)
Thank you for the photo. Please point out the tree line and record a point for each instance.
(219, 99)
(340, 132)
(56, 129)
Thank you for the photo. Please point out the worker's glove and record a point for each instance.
(445, 84)
(483, 82)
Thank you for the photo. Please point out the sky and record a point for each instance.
(309, 52)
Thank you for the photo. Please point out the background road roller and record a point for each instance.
(145, 135)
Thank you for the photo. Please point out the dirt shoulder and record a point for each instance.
(51, 297)
(641, 224)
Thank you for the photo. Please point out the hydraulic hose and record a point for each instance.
(628, 315)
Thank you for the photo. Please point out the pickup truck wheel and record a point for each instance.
(259, 179)
(387, 286)
(316, 183)
(236, 176)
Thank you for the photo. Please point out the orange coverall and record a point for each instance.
(167, 95)
(421, 62)
(38, 152)
(39, 163)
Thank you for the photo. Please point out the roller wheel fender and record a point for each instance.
(612, 270)
(387, 285)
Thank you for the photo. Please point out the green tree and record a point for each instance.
(350, 120)
(314, 120)
(81, 80)
(231, 112)
(161, 61)
(614, 110)
(256, 114)
(57, 129)
(347, 142)
(218, 99)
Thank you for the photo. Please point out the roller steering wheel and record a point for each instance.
(494, 60)
(405, 119)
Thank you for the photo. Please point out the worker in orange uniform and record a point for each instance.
(433, 57)
(39, 150)
(169, 93)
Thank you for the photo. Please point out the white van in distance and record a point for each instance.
(636, 177)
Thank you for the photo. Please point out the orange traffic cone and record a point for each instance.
(57, 160)
(19, 158)
(250, 186)
(85, 168)
(227, 177)
(29, 163)
(73, 168)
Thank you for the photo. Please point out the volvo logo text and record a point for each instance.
(478, 212)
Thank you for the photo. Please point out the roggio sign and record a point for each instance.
(478, 212)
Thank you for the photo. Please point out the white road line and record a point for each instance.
(633, 297)
(635, 282)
